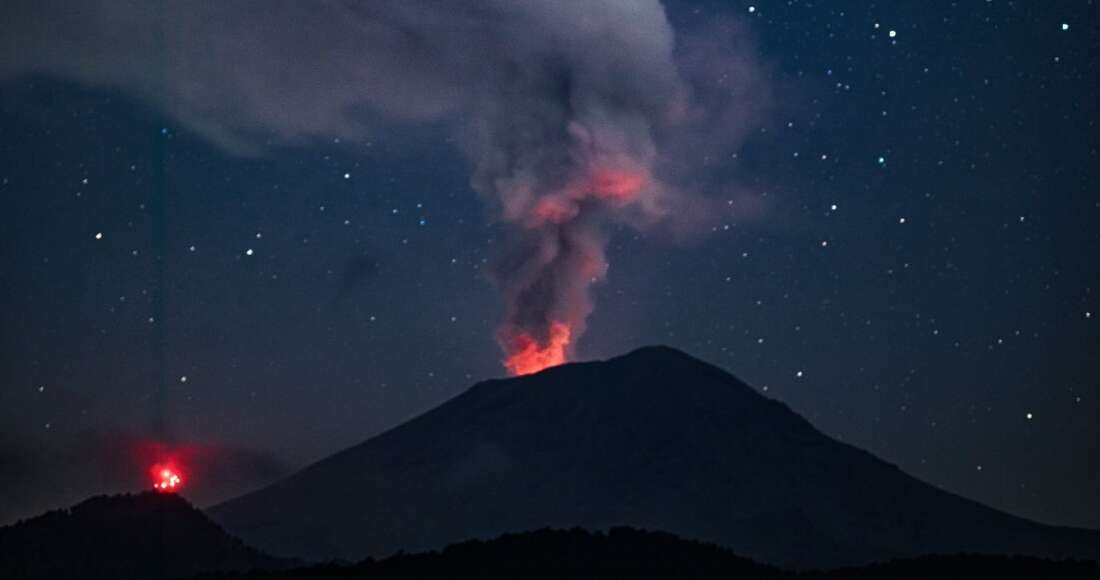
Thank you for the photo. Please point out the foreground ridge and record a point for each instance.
(148, 535)
(625, 553)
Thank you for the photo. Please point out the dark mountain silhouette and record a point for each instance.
(654, 439)
(144, 536)
(627, 554)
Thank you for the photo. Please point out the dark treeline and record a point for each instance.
(623, 553)
(153, 536)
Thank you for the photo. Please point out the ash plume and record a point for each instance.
(574, 114)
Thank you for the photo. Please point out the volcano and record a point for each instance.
(655, 439)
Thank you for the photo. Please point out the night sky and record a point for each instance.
(901, 242)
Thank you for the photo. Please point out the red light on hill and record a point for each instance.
(166, 478)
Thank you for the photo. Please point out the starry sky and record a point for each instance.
(907, 257)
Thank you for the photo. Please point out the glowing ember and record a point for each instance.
(166, 478)
(529, 356)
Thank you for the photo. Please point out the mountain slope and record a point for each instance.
(149, 535)
(654, 439)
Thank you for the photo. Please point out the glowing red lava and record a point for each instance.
(166, 478)
(528, 356)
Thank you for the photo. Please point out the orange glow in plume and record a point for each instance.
(529, 356)
(166, 478)
(617, 185)
(613, 186)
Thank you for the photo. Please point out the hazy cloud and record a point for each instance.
(574, 114)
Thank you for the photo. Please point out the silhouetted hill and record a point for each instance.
(654, 439)
(626, 554)
(144, 536)
(978, 567)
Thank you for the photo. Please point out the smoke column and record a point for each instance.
(579, 155)
(557, 254)
(562, 107)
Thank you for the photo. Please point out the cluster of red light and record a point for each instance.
(166, 478)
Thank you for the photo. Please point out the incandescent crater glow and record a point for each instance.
(531, 356)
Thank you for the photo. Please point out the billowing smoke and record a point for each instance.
(564, 147)
(574, 113)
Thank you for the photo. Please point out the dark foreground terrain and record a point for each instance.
(143, 536)
(152, 536)
(624, 553)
